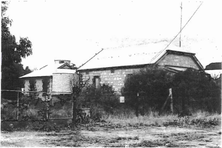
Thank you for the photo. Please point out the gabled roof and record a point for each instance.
(214, 66)
(129, 56)
(48, 70)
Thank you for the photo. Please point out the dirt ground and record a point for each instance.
(109, 135)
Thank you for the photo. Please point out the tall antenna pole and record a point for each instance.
(180, 23)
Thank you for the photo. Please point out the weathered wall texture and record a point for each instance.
(38, 84)
(26, 85)
(117, 78)
(62, 83)
(178, 60)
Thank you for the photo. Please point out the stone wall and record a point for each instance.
(26, 85)
(116, 77)
(62, 83)
(38, 84)
(178, 60)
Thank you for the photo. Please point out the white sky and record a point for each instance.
(76, 30)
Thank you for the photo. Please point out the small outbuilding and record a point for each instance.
(54, 79)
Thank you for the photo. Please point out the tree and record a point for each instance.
(12, 54)
(195, 90)
(147, 89)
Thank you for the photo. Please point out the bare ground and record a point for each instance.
(110, 135)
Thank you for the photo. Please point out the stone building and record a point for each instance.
(55, 78)
(112, 66)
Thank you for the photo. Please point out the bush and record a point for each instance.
(99, 99)
(195, 90)
(147, 89)
(8, 112)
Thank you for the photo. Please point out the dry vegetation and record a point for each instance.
(198, 119)
(199, 130)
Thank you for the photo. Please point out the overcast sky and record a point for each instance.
(76, 30)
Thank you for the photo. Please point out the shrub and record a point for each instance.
(195, 90)
(147, 89)
(99, 99)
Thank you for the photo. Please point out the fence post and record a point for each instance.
(47, 110)
(47, 101)
(73, 109)
(171, 99)
(17, 112)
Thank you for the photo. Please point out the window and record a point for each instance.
(96, 81)
(128, 75)
(112, 70)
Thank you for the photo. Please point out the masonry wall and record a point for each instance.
(62, 83)
(114, 78)
(178, 60)
(26, 85)
(117, 77)
(38, 84)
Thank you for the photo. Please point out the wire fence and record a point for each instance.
(35, 105)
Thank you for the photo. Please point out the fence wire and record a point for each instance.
(34, 105)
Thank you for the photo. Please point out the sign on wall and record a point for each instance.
(122, 99)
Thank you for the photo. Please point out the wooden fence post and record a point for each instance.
(17, 111)
(47, 109)
(171, 99)
(73, 109)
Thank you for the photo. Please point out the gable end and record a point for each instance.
(180, 59)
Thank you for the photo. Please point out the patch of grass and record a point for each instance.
(52, 125)
(60, 113)
(151, 119)
(198, 119)
(155, 143)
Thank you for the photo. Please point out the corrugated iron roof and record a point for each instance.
(48, 70)
(129, 56)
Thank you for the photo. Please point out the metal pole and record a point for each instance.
(180, 25)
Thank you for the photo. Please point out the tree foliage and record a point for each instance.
(103, 98)
(12, 54)
(147, 89)
(192, 91)
(195, 90)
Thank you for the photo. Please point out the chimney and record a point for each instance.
(61, 61)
